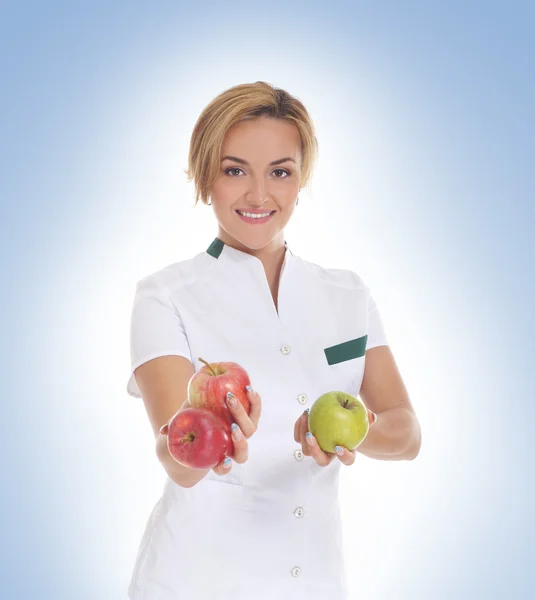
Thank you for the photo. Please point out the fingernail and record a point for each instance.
(310, 438)
(236, 433)
(231, 399)
(226, 463)
(307, 410)
(339, 450)
(249, 389)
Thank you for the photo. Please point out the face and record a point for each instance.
(262, 177)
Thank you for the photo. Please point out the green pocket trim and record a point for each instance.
(346, 350)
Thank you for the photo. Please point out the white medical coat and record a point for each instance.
(270, 529)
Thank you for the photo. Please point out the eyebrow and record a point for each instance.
(244, 162)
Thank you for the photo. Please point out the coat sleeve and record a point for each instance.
(376, 330)
(156, 328)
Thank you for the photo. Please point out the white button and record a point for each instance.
(299, 512)
(296, 571)
(285, 349)
(302, 398)
(298, 455)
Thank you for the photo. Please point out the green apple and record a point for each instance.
(338, 419)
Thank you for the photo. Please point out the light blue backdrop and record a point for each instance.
(424, 113)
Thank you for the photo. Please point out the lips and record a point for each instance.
(255, 220)
(254, 212)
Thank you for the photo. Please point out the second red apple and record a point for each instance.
(197, 438)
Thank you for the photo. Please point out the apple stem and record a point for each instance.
(209, 366)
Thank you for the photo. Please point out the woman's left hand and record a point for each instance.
(310, 445)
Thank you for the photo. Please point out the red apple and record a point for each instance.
(197, 438)
(208, 388)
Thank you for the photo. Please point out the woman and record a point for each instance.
(266, 524)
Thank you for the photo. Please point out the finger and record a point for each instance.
(321, 457)
(303, 428)
(345, 456)
(241, 448)
(224, 467)
(299, 426)
(256, 405)
(240, 415)
(297, 429)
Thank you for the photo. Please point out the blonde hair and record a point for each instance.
(240, 102)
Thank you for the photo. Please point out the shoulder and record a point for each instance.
(331, 276)
(179, 274)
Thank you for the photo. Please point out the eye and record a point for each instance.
(227, 171)
(282, 171)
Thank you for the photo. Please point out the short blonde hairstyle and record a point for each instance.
(238, 103)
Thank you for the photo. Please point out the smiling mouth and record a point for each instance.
(267, 214)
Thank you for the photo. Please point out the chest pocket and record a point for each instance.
(346, 350)
(345, 364)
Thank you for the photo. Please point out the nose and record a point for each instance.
(257, 194)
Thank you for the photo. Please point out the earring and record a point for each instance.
(209, 203)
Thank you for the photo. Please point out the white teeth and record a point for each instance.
(251, 216)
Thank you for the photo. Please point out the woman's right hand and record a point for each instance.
(246, 427)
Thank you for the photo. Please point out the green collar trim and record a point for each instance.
(216, 247)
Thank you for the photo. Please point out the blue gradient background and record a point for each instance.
(425, 120)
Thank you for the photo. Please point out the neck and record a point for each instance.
(271, 256)
(268, 254)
